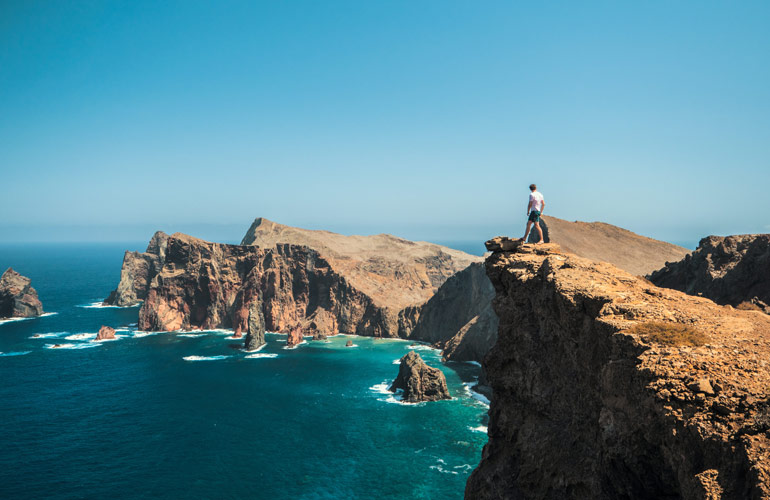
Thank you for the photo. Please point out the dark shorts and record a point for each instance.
(534, 216)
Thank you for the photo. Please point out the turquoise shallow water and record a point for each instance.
(177, 416)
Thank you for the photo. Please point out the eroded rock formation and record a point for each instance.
(204, 285)
(728, 270)
(419, 381)
(137, 272)
(105, 333)
(17, 297)
(584, 408)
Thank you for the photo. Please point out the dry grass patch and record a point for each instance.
(670, 334)
(749, 306)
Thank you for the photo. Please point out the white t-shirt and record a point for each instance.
(537, 201)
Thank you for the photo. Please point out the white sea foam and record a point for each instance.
(476, 363)
(391, 397)
(295, 345)
(258, 348)
(191, 335)
(139, 334)
(204, 358)
(220, 331)
(421, 347)
(81, 336)
(72, 346)
(480, 428)
(352, 345)
(475, 395)
(100, 305)
(11, 320)
(15, 353)
(260, 355)
(397, 361)
(50, 335)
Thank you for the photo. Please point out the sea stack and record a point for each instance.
(255, 338)
(349, 343)
(17, 297)
(295, 336)
(419, 381)
(105, 333)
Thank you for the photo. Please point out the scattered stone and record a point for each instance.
(702, 385)
(349, 343)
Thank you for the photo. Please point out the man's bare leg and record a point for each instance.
(529, 225)
(539, 231)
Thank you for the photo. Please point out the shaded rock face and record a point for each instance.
(583, 408)
(459, 317)
(139, 268)
(728, 270)
(206, 285)
(419, 381)
(105, 333)
(17, 297)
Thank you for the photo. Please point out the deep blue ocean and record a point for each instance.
(174, 415)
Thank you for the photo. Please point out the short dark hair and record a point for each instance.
(532, 187)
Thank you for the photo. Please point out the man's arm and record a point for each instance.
(542, 209)
(529, 206)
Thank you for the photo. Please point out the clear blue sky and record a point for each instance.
(423, 119)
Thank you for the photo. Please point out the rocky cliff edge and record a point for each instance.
(584, 407)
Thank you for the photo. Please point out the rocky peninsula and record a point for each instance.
(17, 297)
(588, 405)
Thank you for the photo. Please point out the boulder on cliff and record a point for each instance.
(17, 297)
(105, 333)
(586, 406)
(419, 381)
(730, 270)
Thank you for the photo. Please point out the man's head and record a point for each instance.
(532, 187)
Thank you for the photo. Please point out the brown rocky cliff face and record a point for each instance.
(459, 317)
(727, 270)
(137, 272)
(17, 297)
(584, 409)
(210, 285)
(419, 381)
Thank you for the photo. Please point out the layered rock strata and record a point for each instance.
(17, 297)
(138, 271)
(418, 381)
(728, 270)
(584, 408)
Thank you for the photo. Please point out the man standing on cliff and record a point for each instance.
(535, 209)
